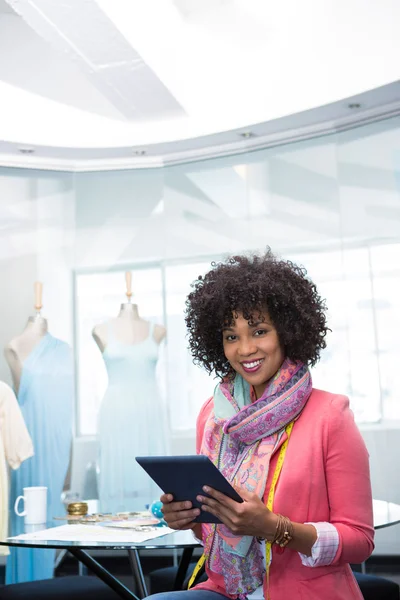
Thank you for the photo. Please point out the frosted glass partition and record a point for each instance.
(37, 242)
(332, 204)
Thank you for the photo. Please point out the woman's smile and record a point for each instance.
(253, 366)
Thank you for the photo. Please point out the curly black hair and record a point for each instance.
(252, 285)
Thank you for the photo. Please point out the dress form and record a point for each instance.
(128, 327)
(42, 368)
(132, 418)
(20, 347)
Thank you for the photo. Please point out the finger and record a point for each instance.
(225, 513)
(248, 496)
(176, 507)
(182, 514)
(219, 497)
(166, 498)
(181, 523)
(219, 511)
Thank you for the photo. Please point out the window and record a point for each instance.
(361, 359)
(364, 314)
(385, 265)
(189, 386)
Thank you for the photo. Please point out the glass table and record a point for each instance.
(386, 514)
(183, 540)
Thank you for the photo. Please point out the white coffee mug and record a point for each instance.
(35, 501)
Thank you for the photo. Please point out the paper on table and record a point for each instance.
(133, 524)
(94, 533)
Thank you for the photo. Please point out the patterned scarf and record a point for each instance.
(240, 438)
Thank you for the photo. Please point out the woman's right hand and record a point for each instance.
(178, 515)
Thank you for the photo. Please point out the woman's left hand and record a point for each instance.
(250, 517)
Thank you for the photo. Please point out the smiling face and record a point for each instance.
(253, 350)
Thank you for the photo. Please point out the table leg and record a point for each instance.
(102, 573)
(60, 558)
(137, 571)
(82, 570)
(363, 568)
(182, 568)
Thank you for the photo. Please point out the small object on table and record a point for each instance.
(77, 508)
(155, 509)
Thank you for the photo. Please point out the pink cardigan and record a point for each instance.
(325, 477)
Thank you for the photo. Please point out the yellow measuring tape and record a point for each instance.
(270, 505)
(197, 568)
(271, 495)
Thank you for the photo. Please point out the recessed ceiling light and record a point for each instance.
(247, 134)
(354, 105)
(139, 152)
(26, 150)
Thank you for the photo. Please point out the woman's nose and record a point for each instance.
(247, 347)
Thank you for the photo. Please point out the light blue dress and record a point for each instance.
(45, 396)
(132, 422)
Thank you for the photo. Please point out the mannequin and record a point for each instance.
(128, 327)
(132, 419)
(19, 348)
(42, 370)
(15, 447)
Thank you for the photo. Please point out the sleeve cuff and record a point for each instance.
(16, 462)
(325, 547)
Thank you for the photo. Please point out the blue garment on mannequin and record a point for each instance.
(131, 423)
(46, 398)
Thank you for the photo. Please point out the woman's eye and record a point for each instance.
(260, 332)
(230, 338)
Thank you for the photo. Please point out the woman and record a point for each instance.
(258, 322)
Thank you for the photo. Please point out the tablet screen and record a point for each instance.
(184, 478)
